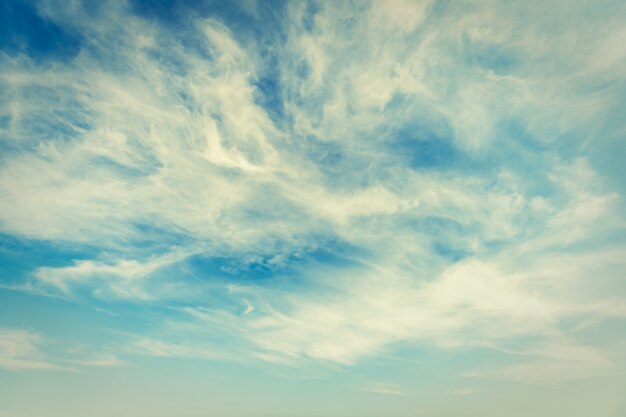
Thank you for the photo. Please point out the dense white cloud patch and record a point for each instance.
(446, 143)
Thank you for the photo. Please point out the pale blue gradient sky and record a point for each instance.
(388, 208)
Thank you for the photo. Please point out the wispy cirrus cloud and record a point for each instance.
(22, 349)
(19, 349)
(362, 175)
(386, 389)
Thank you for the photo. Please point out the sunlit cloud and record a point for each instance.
(323, 185)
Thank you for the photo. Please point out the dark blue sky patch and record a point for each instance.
(494, 246)
(4, 121)
(269, 95)
(223, 268)
(490, 57)
(308, 22)
(259, 268)
(21, 256)
(23, 30)
(423, 138)
(423, 149)
(252, 269)
(437, 225)
(302, 69)
(429, 153)
(450, 252)
(180, 14)
(175, 14)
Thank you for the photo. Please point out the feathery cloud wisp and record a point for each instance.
(357, 177)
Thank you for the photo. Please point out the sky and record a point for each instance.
(393, 208)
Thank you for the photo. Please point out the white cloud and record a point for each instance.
(19, 349)
(101, 360)
(177, 350)
(554, 364)
(386, 389)
(120, 279)
(24, 349)
(157, 134)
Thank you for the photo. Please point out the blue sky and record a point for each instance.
(255, 209)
